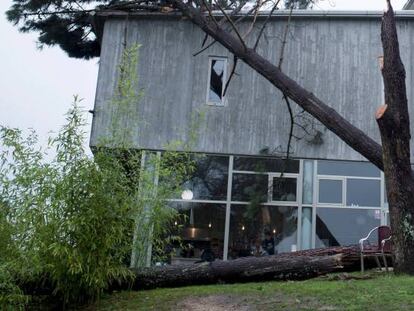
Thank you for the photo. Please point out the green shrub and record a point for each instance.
(74, 223)
(68, 220)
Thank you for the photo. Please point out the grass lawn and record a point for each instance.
(380, 291)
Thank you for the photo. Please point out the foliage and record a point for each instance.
(70, 220)
(68, 223)
(11, 297)
(67, 220)
(154, 177)
(67, 23)
(299, 4)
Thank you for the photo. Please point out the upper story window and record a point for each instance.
(216, 80)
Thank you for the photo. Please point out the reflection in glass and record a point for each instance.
(284, 189)
(266, 165)
(209, 179)
(330, 191)
(348, 168)
(262, 230)
(306, 227)
(216, 80)
(249, 187)
(201, 229)
(363, 192)
(344, 226)
(307, 197)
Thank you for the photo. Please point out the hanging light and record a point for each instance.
(209, 224)
(175, 223)
(274, 231)
(242, 228)
(187, 195)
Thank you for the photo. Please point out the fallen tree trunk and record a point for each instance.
(287, 266)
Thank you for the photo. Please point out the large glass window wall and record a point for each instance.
(344, 226)
(251, 206)
(348, 202)
(208, 180)
(201, 228)
(262, 230)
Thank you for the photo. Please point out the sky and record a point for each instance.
(37, 86)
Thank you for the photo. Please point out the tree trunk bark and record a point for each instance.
(286, 266)
(394, 124)
(289, 266)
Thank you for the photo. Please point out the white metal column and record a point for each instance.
(299, 187)
(315, 199)
(228, 207)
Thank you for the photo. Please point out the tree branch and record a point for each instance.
(351, 135)
(233, 26)
(233, 70)
(264, 25)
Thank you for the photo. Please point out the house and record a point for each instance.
(326, 194)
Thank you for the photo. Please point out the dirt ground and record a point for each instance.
(233, 302)
(214, 303)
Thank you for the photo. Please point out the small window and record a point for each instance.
(363, 192)
(284, 189)
(330, 191)
(216, 81)
(250, 187)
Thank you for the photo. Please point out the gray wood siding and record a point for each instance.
(334, 57)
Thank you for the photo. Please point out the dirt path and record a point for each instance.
(215, 303)
(238, 303)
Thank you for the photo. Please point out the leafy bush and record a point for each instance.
(71, 220)
(68, 220)
(73, 223)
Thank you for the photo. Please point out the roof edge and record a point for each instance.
(296, 13)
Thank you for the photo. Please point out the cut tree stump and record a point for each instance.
(286, 266)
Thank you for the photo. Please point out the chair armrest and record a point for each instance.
(361, 241)
(383, 243)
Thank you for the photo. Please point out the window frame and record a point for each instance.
(344, 180)
(223, 101)
(343, 190)
(270, 189)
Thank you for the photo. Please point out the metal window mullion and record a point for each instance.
(273, 203)
(344, 186)
(275, 174)
(299, 191)
(269, 188)
(155, 181)
(314, 201)
(348, 207)
(228, 209)
(198, 201)
(347, 176)
(383, 212)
